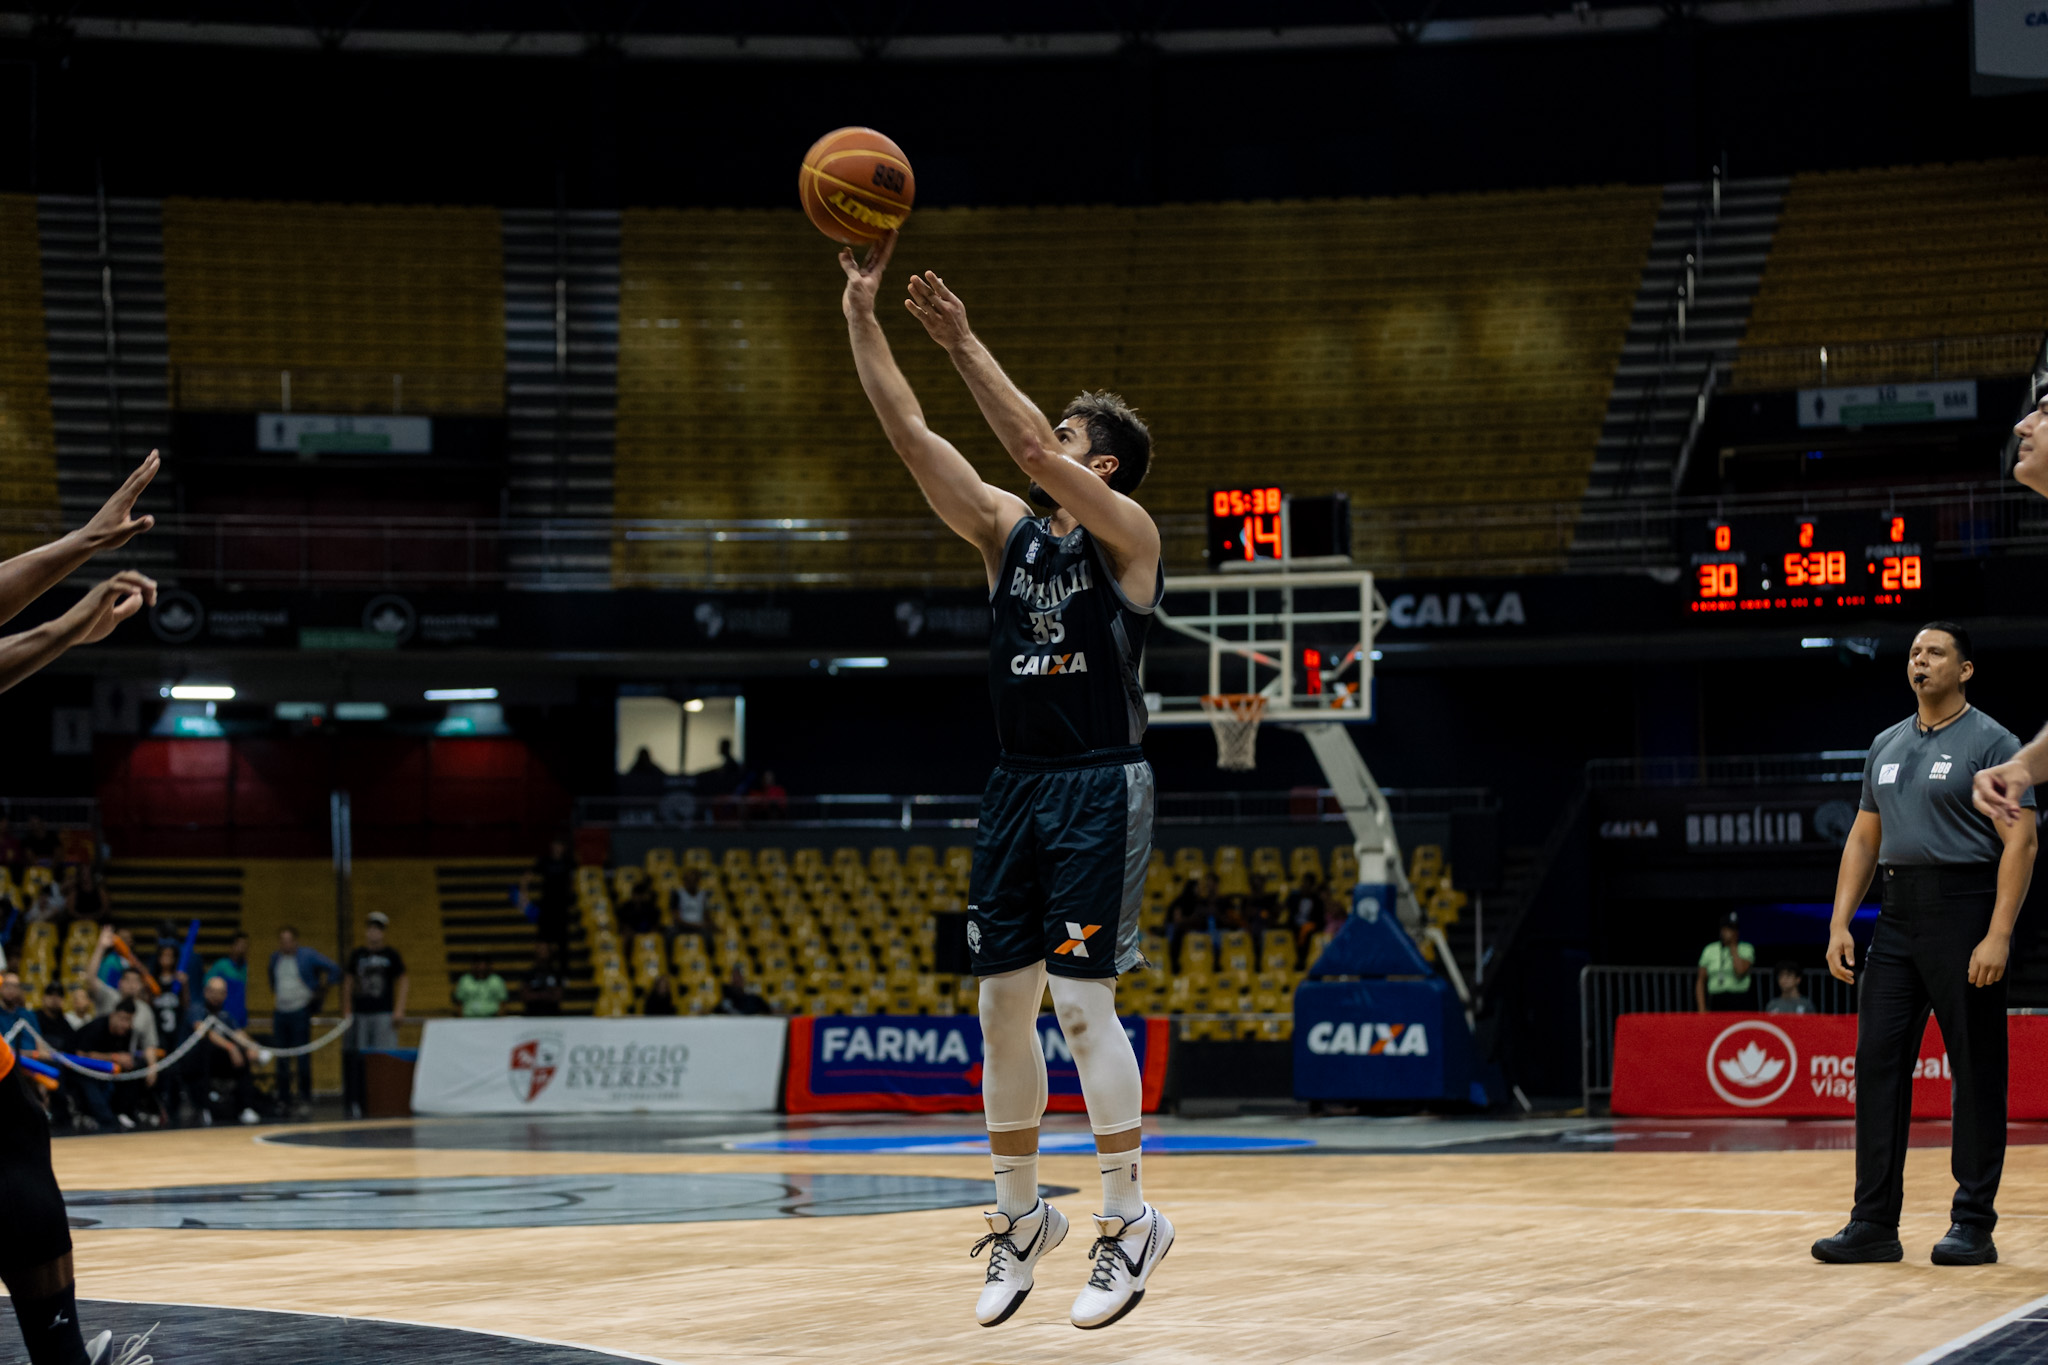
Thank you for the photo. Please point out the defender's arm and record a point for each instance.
(1039, 448)
(92, 618)
(32, 573)
(977, 512)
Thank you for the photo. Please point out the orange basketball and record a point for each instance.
(856, 185)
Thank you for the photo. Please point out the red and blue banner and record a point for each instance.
(932, 1064)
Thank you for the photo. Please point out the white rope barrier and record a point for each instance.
(176, 1055)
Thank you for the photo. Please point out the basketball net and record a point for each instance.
(1234, 716)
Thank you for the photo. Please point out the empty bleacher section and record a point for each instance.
(1361, 345)
(369, 309)
(1916, 272)
(479, 915)
(28, 468)
(853, 932)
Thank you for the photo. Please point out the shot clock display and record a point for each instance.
(1246, 525)
(1848, 561)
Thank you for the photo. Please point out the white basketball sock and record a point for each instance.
(1016, 1184)
(1123, 1193)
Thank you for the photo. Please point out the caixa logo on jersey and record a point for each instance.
(1351, 1038)
(1046, 665)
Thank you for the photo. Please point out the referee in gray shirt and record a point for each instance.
(1952, 882)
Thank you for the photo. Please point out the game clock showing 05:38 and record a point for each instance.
(1853, 561)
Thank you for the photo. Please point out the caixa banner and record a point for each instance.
(932, 1065)
(1790, 1066)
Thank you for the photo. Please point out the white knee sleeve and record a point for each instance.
(1102, 1052)
(1012, 1061)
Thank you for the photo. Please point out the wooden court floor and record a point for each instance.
(1583, 1257)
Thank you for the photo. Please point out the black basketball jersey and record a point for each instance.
(1064, 646)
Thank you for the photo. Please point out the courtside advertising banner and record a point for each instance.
(598, 1066)
(932, 1065)
(1790, 1066)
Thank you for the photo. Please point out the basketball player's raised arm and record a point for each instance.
(93, 617)
(1039, 448)
(977, 512)
(32, 573)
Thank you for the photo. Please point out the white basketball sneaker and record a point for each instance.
(1015, 1246)
(1125, 1253)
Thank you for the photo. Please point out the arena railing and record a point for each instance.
(566, 553)
(1917, 360)
(683, 809)
(1733, 770)
(1607, 993)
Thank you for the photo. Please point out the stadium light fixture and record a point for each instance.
(861, 661)
(461, 694)
(694, 705)
(361, 710)
(201, 692)
(1817, 642)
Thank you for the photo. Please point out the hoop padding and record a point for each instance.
(1235, 716)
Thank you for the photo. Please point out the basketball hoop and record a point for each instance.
(1234, 716)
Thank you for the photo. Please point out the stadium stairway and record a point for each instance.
(561, 383)
(478, 916)
(153, 892)
(103, 307)
(1662, 364)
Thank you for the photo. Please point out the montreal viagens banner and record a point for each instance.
(591, 1066)
(1790, 1066)
(932, 1065)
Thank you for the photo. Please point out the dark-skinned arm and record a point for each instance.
(91, 618)
(32, 573)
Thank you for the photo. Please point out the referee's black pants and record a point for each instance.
(1919, 959)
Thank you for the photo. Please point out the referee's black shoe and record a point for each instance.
(1966, 1245)
(1859, 1244)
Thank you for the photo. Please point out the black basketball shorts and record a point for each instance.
(31, 1205)
(1059, 864)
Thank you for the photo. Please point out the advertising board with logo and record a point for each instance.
(595, 1066)
(1789, 1066)
(1382, 1040)
(1648, 824)
(932, 1064)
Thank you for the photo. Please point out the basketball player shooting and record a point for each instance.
(35, 1252)
(1066, 821)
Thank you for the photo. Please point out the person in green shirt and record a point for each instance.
(481, 992)
(1724, 982)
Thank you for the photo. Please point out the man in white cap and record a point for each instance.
(373, 990)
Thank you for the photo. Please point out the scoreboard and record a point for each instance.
(1815, 564)
(1262, 527)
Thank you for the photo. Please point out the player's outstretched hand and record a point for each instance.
(110, 603)
(116, 524)
(864, 276)
(1997, 791)
(938, 308)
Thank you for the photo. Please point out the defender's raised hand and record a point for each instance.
(116, 524)
(939, 309)
(864, 277)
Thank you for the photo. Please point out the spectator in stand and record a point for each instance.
(690, 905)
(230, 1056)
(129, 987)
(114, 1039)
(640, 912)
(374, 987)
(89, 895)
(553, 893)
(480, 993)
(1193, 911)
(542, 994)
(1790, 999)
(728, 777)
(10, 846)
(660, 999)
(49, 905)
(40, 844)
(234, 970)
(1305, 909)
(1724, 982)
(299, 976)
(737, 999)
(14, 1009)
(768, 800)
(54, 1026)
(172, 1007)
(78, 1007)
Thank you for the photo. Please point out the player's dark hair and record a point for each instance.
(125, 1007)
(1954, 632)
(1115, 429)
